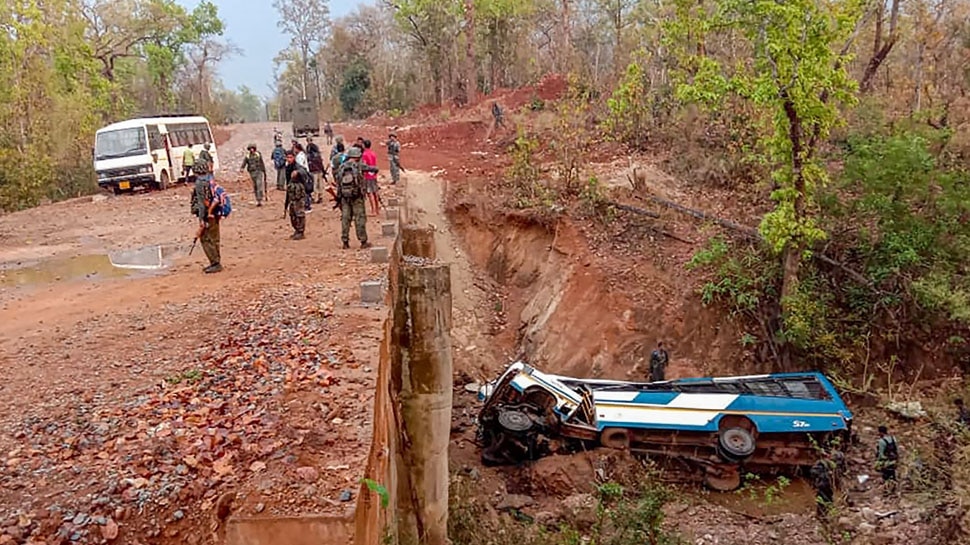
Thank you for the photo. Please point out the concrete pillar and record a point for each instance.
(388, 229)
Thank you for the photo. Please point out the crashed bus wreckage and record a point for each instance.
(716, 426)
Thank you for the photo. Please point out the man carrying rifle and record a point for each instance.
(350, 195)
(296, 195)
(394, 157)
(207, 207)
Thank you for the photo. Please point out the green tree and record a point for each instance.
(796, 76)
(356, 81)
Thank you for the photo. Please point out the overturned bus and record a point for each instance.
(715, 426)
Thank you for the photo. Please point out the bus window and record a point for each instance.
(155, 140)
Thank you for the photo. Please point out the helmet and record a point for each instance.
(207, 145)
(339, 138)
(353, 153)
(251, 146)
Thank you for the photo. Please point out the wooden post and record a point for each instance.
(418, 241)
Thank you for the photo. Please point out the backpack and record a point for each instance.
(200, 167)
(348, 182)
(892, 451)
(279, 158)
(226, 208)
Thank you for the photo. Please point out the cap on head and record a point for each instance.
(883, 429)
(354, 152)
(339, 139)
(207, 145)
(289, 153)
(251, 146)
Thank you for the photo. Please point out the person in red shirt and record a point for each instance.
(369, 158)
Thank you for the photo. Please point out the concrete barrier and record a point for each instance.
(371, 292)
(308, 530)
(388, 229)
(391, 213)
(379, 254)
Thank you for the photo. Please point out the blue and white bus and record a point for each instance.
(718, 424)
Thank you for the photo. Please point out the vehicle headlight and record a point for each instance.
(147, 169)
(102, 175)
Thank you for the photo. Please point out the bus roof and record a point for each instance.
(142, 121)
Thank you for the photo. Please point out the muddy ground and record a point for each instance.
(149, 406)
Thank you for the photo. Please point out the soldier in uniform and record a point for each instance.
(394, 157)
(328, 131)
(350, 195)
(296, 196)
(658, 363)
(207, 207)
(205, 158)
(254, 164)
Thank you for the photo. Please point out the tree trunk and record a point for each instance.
(471, 76)
(565, 48)
(792, 259)
(880, 49)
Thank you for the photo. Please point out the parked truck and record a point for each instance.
(306, 119)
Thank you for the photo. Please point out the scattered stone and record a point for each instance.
(907, 409)
(308, 474)
(346, 496)
(178, 515)
(514, 501)
(259, 508)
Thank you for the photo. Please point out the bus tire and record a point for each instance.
(736, 443)
(163, 181)
(616, 438)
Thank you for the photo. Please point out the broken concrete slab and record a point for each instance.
(371, 292)
(389, 229)
(379, 254)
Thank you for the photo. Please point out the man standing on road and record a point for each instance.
(204, 164)
(188, 164)
(296, 196)
(328, 131)
(394, 157)
(369, 158)
(207, 206)
(279, 162)
(350, 194)
(658, 363)
(315, 160)
(254, 164)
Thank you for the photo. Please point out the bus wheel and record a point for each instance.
(737, 443)
(616, 438)
(163, 181)
(723, 480)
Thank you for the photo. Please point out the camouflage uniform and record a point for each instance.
(353, 208)
(210, 235)
(296, 201)
(394, 157)
(254, 164)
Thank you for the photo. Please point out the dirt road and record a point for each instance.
(139, 398)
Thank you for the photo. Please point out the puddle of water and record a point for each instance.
(116, 264)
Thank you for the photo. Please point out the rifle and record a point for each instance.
(198, 235)
(398, 162)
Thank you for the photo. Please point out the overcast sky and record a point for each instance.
(251, 25)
